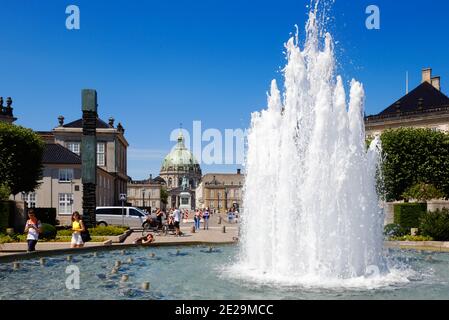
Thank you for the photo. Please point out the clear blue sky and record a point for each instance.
(158, 63)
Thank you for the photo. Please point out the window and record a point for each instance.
(75, 147)
(65, 203)
(101, 159)
(30, 199)
(184, 201)
(135, 213)
(212, 194)
(65, 175)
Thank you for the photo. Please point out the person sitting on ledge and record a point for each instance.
(145, 240)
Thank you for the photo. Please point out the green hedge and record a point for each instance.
(46, 215)
(408, 215)
(436, 225)
(6, 211)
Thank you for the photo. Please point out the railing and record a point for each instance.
(406, 114)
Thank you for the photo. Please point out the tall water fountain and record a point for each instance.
(312, 213)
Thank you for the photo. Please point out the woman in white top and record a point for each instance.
(33, 227)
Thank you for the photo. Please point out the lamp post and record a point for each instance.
(143, 198)
(226, 199)
(149, 199)
(218, 194)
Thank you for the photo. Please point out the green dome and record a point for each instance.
(180, 156)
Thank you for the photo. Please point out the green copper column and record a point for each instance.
(89, 156)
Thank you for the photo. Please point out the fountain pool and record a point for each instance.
(196, 273)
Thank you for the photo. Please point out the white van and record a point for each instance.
(112, 216)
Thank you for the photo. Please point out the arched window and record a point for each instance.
(170, 181)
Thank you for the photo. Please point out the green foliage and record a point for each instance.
(408, 215)
(21, 152)
(412, 156)
(108, 231)
(5, 192)
(422, 192)
(395, 230)
(412, 238)
(164, 196)
(46, 215)
(48, 232)
(6, 210)
(4, 238)
(436, 225)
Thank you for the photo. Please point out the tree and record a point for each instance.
(4, 192)
(413, 156)
(422, 192)
(164, 196)
(21, 152)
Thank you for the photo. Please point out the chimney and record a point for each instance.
(111, 122)
(239, 171)
(151, 177)
(436, 83)
(427, 75)
(61, 121)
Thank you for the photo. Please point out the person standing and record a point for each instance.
(177, 221)
(159, 215)
(77, 228)
(197, 219)
(206, 216)
(33, 228)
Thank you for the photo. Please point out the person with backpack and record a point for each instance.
(78, 228)
(206, 216)
(33, 228)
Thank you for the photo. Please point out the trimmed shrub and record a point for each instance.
(48, 232)
(46, 215)
(412, 238)
(436, 225)
(6, 211)
(408, 215)
(422, 192)
(107, 231)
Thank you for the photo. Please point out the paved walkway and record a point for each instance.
(214, 235)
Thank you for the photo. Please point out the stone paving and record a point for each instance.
(214, 235)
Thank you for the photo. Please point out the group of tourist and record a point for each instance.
(33, 229)
(201, 215)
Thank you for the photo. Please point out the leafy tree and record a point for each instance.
(164, 196)
(4, 192)
(21, 152)
(413, 156)
(422, 192)
(436, 225)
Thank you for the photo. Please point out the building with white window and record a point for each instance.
(111, 151)
(61, 187)
(146, 194)
(221, 191)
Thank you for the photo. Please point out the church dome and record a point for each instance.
(180, 158)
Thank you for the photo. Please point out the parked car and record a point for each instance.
(112, 216)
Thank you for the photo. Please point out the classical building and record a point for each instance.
(220, 191)
(61, 187)
(111, 149)
(6, 113)
(146, 194)
(180, 164)
(424, 107)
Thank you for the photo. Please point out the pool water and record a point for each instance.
(200, 273)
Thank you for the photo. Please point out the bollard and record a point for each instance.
(42, 261)
(193, 229)
(16, 265)
(146, 286)
(219, 220)
(118, 263)
(223, 230)
(125, 278)
(69, 258)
